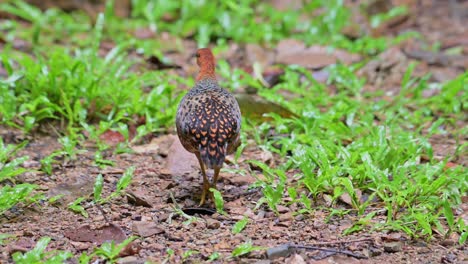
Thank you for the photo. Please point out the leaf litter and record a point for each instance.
(163, 169)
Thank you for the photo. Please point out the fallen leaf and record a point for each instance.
(238, 179)
(346, 198)
(138, 198)
(112, 137)
(295, 52)
(82, 185)
(179, 160)
(146, 229)
(144, 33)
(258, 54)
(103, 234)
(157, 64)
(254, 107)
(22, 245)
(449, 165)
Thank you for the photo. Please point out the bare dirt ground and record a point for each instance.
(164, 170)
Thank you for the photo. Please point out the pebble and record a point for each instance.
(212, 223)
(392, 247)
(295, 259)
(129, 260)
(282, 209)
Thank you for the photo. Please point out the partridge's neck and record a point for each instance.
(207, 72)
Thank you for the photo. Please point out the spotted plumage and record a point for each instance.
(208, 120)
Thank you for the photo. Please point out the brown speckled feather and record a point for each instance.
(208, 122)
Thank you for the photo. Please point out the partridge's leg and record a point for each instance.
(215, 176)
(215, 180)
(206, 183)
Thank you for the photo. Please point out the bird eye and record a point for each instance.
(198, 55)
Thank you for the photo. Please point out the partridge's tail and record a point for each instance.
(213, 152)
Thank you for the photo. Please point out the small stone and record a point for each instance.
(449, 258)
(374, 252)
(282, 209)
(263, 261)
(146, 229)
(129, 260)
(448, 242)
(295, 259)
(299, 217)
(420, 244)
(286, 217)
(136, 217)
(260, 215)
(80, 246)
(200, 242)
(212, 223)
(278, 252)
(138, 198)
(392, 247)
(164, 216)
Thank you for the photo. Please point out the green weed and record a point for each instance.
(240, 225)
(245, 248)
(342, 149)
(76, 207)
(110, 250)
(10, 195)
(9, 167)
(218, 200)
(39, 255)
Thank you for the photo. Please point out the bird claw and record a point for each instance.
(206, 189)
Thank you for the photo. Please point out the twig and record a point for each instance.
(286, 249)
(343, 242)
(99, 207)
(246, 193)
(345, 252)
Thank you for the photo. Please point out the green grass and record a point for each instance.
(12, 194)
(344, 149)
(349, 141)
(39, 255)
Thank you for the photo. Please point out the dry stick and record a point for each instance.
(237, 196)
(345, 252)
(343, 242)
(98, 206)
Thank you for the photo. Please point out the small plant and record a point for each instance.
(189, 253)
(38, 254)
(9, 168)
(4, 237)
(240, 225)
(170, 254)
(10, 196)
(245, 248)
(123, 182)
(110, 250)
(213, 257)
(273, 186)
(47, 162)
(76, 207)
(218, 200)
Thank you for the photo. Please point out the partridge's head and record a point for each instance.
(206, 62)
